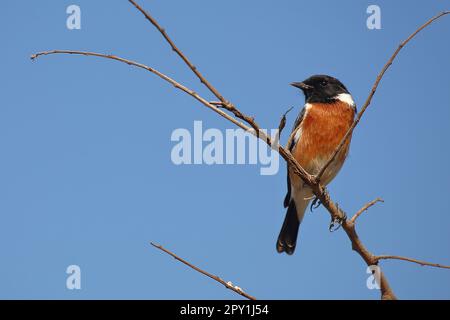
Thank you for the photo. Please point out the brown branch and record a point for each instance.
(364, 208)
(374, 89)
(319, 190)
(238, 114)
(422, 263)
(152, 70)
(227, 284)
(178, 51)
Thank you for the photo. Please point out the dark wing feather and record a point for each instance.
(297, 123)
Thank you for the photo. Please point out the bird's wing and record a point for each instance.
(297, 123)
(291, 146)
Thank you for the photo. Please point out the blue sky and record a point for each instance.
(86, 174)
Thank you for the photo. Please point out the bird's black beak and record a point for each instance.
(301, 85)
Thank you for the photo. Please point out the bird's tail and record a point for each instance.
(289, 231)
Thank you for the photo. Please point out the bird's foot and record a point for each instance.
(315, 204)
(336, 222)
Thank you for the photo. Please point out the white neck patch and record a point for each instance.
(347, 98)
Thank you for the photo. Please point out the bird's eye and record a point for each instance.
(323, 83)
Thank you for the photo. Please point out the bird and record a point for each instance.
(321, 125)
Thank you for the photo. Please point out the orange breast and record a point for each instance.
(322, 129)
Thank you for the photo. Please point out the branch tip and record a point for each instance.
(420, 262)
(228, 285)
(365, 208)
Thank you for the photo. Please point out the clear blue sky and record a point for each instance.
(85, 170)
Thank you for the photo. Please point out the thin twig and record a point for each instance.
(227, 284)
(283, 121)
(364, 208)
(158, 73)
(422, 263)
(179, 52)
(374, 89)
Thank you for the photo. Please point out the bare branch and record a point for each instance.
(178, 51)
(158, 73)
(364, 208)
(374, 89)
(422, 263)
(227, 285)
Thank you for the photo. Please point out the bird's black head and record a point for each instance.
(321, 88)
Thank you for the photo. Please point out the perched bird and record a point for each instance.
(328, 113)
